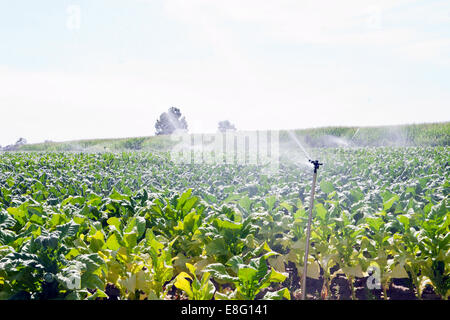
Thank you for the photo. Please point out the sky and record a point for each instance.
(83, 69)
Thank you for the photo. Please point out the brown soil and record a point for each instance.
(112, 291)
(340, 289)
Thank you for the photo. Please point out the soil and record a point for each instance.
(340, 289)
(429, 294)
(112, 291)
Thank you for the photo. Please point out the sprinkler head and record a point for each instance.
(316, 164)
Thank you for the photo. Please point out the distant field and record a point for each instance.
(436, 134)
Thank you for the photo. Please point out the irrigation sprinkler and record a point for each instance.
(308, 231)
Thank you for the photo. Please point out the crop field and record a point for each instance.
(135, 225)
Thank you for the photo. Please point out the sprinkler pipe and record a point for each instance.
(308, 231)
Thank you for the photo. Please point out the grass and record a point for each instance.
(430, 134)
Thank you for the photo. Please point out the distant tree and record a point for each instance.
(226, 125)
(21, 142)
(170, 121)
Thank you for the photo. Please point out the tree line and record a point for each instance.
(173, 120)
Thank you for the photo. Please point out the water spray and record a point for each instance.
(354, 135)
(293, 137)
(316, 164)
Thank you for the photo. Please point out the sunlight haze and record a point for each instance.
(74, 70)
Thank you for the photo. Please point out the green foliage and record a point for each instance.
(427, 134)
(196, 289)
(73, 225)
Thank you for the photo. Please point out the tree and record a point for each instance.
(226, 126)
(170, 121)
(21, 142)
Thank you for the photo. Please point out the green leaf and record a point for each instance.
(404, 219)
(183, 284)
(140, 225)
(219, 272)
(375, 223)
(208, 289)
(6, 236)
(183, 198)
(226, 224)
(57, 219)
(37, 219)
(278, 295)
(399, 272)
(189, 204)
(354, 271)
(130, 239)
(234, 263)
(276, 276)
(98, 294)
(6, 221)
(91, 261)
(245, 203)
(191, 222)
(91, 281)
(247, 274)
(68, 230)
(270, 201)
(112, 242)
(19, 214)
(388, 204)
(326, 187)
(287, 206)
(191, 268)
(117, 196)
(97, 241)
(73, 201)
(321, 211)
(114, 221)
(278, 263)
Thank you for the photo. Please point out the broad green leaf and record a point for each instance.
(114, 221)
(112, 242)
(219, 272)
(69, 229)
(375, 223)
(245, 203)
(247, 273)
(321, 211)
(399, 272)
(326, 187)
(278, 295)
(130, 239)
(276, 276)
(354, 271)
(183, 284)
(183, 198)
(225, 224)
(191, 268)
(388, 204)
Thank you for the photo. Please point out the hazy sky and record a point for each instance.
(108, 68)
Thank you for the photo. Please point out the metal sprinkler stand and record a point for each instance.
(308, 231)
